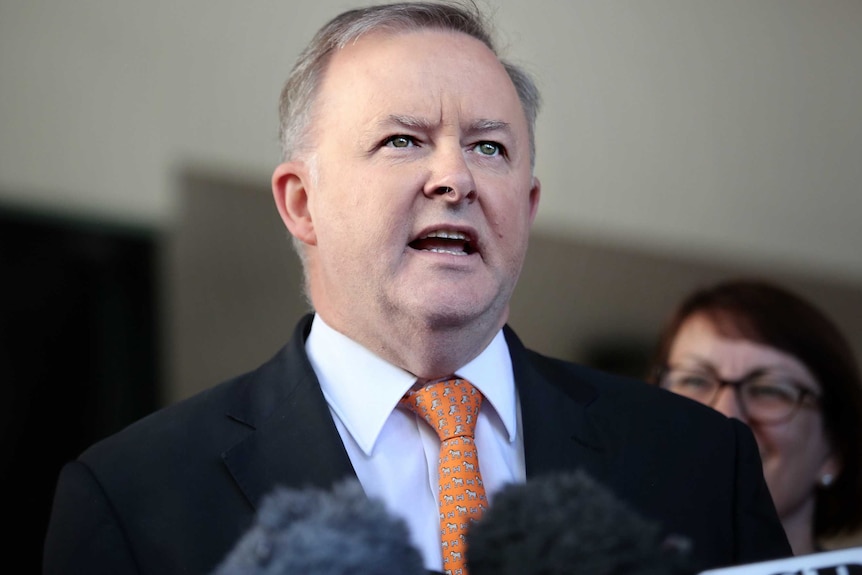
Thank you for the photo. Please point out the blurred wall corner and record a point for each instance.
(78, 354)
(232, 283)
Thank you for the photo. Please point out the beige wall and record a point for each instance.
(705, 128)
(233, 288)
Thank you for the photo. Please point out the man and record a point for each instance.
(408, 188)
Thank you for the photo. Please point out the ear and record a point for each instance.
(290, 187)
(535, 192)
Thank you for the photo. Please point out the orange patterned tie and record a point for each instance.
(451, 407)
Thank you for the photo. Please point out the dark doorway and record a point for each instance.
(78, 352)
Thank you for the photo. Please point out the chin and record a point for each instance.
(449, 316)
(443, 314)
(452, 304)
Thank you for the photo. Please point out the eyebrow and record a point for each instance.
(484, 126)
(712, 368)
(406, 121)
(690, 361)
(480, 126)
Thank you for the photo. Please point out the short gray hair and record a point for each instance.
(300, 90)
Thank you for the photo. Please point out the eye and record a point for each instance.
(399, 141)
(489, 148)
(691, 380)
(694, 380)
(693, 384)
(772, 390)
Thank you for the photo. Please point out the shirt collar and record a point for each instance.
(362, 389)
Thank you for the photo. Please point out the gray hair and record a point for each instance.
(300, 90)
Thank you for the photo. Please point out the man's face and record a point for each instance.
(399, 121)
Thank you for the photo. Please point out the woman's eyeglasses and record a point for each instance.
(763, 396)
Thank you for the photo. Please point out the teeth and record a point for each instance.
(447, 235)
(439, 251)
(427, 243)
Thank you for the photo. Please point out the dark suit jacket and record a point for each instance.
(173, 492)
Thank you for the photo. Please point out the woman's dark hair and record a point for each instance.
(764, 313)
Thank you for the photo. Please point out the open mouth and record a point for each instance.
(444, 242)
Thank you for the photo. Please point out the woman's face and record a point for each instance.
(795, 452)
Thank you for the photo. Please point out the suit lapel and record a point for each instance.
(558, 433)
(292, 440)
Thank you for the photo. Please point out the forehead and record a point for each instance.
(699, 340)
(421, 73)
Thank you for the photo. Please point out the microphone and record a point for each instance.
(318, 532)
(569, 524)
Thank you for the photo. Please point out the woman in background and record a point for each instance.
(754, 351)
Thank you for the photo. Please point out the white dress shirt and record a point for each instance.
(395, 453)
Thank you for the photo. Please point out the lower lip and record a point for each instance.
(458, 254)
(449, 256)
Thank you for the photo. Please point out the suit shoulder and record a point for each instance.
(169, 427)
(239, 402)
(190, 425)
(618, 394)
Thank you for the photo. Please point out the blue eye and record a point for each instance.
(489, 148)
(695, 380)
(399, 141)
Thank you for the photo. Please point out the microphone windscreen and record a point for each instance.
(318, 532)
(569, 524)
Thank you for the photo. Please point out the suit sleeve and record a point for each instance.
(759, 534)
(83, 534)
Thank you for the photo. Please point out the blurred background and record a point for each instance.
(142, 259)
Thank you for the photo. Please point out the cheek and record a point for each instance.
(349, 199)
(773, 442)
(508, 212)
(797, 443)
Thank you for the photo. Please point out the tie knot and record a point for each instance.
(450, 406)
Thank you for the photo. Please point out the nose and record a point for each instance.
(450, 178)
(454, 195)
(727, 403)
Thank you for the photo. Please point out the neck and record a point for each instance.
(437, 354)
(799, 527)
(424, 349)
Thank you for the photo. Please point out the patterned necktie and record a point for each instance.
(451, 407)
